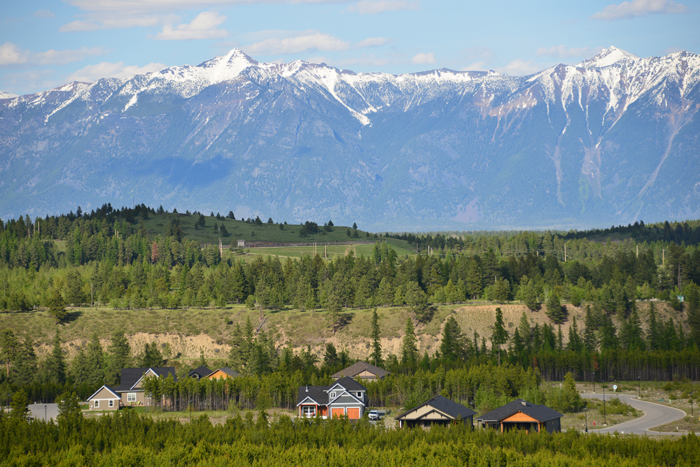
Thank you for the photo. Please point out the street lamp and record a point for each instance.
(691, 405)
(639, 378)
(44, 413)
(605, 414)
(585, 411)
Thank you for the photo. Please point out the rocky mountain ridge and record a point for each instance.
(610, 140)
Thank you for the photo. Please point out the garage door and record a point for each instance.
(338, 413)
(354, 414)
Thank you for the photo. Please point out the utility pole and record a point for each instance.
(565, 252)
(637, 251)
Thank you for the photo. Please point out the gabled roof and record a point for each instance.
(541, 413)
(107, 388)
(349, 384)
(200, 371)
(359, 367)
(444, 405)
(227, 370)
(318, 394)
(131, 376)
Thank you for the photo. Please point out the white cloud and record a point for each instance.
(10, 54)
(672, 50)
(43, 14)
(476, 66)
(92, 73)
(115, 22)
(423, 58)
(520, 67)
(297, 44)
(372, 42)
(637, 8)
(202, 27)
(561, 51)
(372, 7)
(131, 6)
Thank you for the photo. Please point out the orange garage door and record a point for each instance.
(354, 414)
(338, 413)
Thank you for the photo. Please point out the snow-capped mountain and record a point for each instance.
(613, 139)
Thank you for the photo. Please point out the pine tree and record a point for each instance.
(525, 331)
(74, 291)
(376, 356)
(330, 356)
(499, 335)
(631, 335)
(575, 343)
(57, 306)
(55, 364)
(119, 356)
(653, 335)
(24, 364)
(474, 280)
(608, 334)
(20, 406)
(528, 294)
(693, 302)
(95, 362)
(501, 291)
(68, 407)
(451, 346)
(9, 346)
(554, 309)
(560, 339)
(79, 369)
(236, 358)
(409, 349)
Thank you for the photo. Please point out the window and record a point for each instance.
(308, 410)
(97, 404)
(111, 403)
(131, 397)
(332, 395)
(359, 394)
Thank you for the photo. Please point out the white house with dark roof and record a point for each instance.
(104, 398)
(344, 398)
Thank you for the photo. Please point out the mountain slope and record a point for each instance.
(611, 140)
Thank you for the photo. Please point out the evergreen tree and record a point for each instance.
(55, 364)
(554, 309)
(417, 300)
(57, 306)
(631, 334)
(119, 356)
(237, 358)
(501, 291)
(474, 281)
(330, 356)
(24, 364)
(654, 334)
(376, 355)
(451, 346)
(528, 295)
(608, 334)
(560, 339)
(525, 331)
(68, 407)
(499, 335)
(575, 344)
(409, 349)
(151, 357)
(693, 302)
(9, 347)
(74, 291)
(79, 370)
(95, 362)
(20, 406)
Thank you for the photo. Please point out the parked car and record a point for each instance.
(373, 415)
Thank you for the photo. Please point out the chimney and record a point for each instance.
(524, 403)
(307, 388)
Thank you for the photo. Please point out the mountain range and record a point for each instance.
(612, 140)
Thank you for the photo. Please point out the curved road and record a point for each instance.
(654, 415)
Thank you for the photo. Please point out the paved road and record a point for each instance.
(37, 411)
(654, 415)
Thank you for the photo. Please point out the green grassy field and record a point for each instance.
(250, 232)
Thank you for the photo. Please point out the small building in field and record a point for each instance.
(223, 373)
(437, 411)
(131, 384)
(241, 244)
(104, 398)
(344, 398)
(522, 415)
(361, 370)
(199, 373)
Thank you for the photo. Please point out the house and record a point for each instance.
(344, 398)
(223, 373)
(437, 411)
(522, 415)
(199, 373)
(361, 370)
(104, 398)
(241, 243)
(131, 387)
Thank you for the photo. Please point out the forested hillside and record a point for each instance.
(124, 260)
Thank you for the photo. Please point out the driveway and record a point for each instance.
(38, 412)
(654, 415)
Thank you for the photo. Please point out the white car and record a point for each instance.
(373, 415)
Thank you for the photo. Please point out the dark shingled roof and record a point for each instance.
(320, 394)
(541, 413)
(349, 384)
(359, 367)
(131, 375)
(444, 405)
(200, 372)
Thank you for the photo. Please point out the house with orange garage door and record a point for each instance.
(344, 398)
(522, 415)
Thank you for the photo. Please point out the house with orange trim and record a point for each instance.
(522, 415)
(223, 373)
(344, 398)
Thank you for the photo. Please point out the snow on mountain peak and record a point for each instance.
(7, 95)
(608, 57)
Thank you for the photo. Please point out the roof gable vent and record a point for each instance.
(524, 403)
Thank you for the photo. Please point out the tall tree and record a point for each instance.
(330, 356)
(95, 362)
(9, 346)
(376, 356)
(525, 332)
(119, 356)
(55, 365)
(575, 344)
(590, 338)
(451, 345)
(499, 336)
(409, 349)
(25, 363)
(57, 306)
(654, 333)
(554, 309)
(20, 406)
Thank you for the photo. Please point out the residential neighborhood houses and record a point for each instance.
(437, 411)
(344, 398)
(522, 415)
(361, 370)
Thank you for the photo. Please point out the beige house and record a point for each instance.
(131, 389)
(104, 399)
(437, 411)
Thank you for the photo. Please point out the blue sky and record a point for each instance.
(44, 44)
